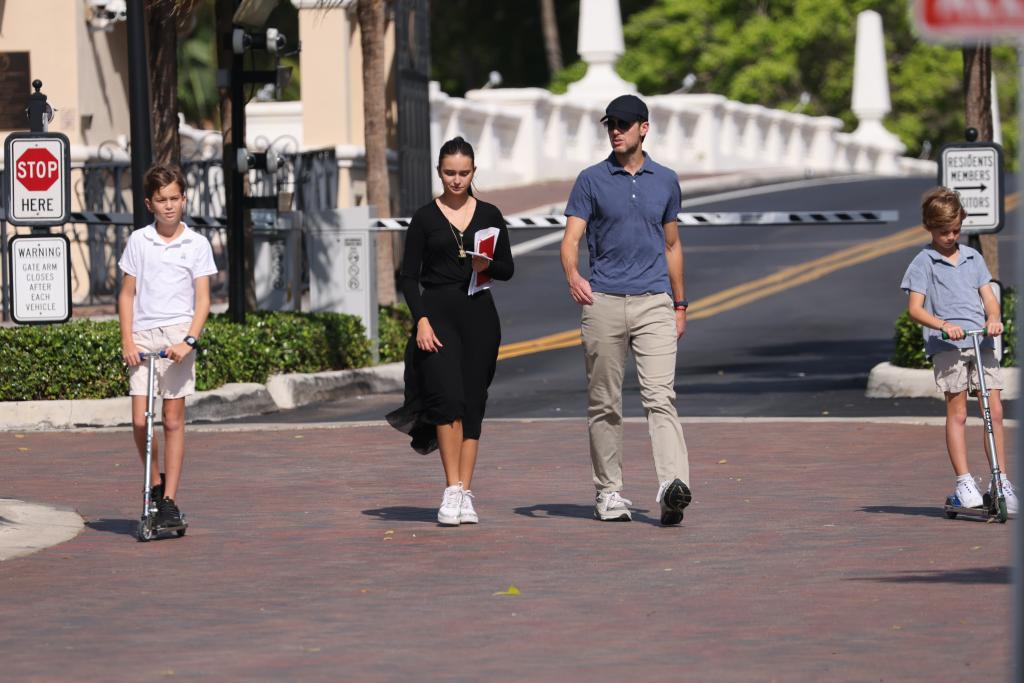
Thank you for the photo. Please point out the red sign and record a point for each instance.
(36, 169)
(969, 20)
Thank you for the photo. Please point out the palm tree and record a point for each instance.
(978, 115)
(370, 15)
(163, 17)
(552, 46)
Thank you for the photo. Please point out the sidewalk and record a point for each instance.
(814, 550)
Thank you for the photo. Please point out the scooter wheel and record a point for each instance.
(180, 532)
(950, 514)
(145, 531)
(1003, 516)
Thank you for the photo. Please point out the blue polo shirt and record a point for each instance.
(625, 214)
(950, 293)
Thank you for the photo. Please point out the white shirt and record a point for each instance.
(165, 274)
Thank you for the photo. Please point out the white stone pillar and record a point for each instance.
(871, 86)
(600, 45)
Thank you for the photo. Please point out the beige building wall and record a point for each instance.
(84, 72)
(85, 79)
(331, 63)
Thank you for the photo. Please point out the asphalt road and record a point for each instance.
(804, 351)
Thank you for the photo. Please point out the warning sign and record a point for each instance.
(40, 278)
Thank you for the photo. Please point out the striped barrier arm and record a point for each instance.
(708, 219)
(703, 219)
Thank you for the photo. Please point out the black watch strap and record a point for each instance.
(682, 304)
(191, 341)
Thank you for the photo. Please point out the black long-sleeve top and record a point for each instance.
(432, 252)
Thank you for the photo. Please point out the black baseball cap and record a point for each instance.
(626, 108)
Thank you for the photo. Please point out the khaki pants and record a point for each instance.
(612, 325)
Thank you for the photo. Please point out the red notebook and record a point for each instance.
(484, 243)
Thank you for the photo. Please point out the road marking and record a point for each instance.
(748, 292)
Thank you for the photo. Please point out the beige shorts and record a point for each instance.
(173, 380)
(956, 371)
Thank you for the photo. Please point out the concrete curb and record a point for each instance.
(227, 402)
(888, 381)
(26, 528)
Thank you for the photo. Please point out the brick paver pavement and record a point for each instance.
(813, 551)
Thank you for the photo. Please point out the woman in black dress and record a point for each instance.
(451, 355)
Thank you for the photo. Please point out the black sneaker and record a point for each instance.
(674, 496)
(156, 492)
(167, 514)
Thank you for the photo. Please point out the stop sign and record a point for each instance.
(37, 169)
(37, 187)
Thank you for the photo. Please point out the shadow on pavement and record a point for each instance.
(914, 511)
(404, 513)
(114, 526)
(576, 511)
(993, 575)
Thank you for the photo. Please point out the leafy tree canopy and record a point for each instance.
(769, 52)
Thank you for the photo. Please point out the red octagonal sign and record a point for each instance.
(37, 169)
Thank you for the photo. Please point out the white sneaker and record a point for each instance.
(451, 503)
(467, 515)
(611, 507)
(1012, 502)
(966, 494)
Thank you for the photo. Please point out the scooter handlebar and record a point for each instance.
(143, 356)
(970, 333)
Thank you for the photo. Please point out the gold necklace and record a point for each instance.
(458, 240)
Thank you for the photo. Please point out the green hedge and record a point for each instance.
(81, 359)
(910, 342)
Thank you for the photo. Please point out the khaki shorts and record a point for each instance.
(956, 371)
(173, 380)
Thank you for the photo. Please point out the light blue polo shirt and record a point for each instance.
(625, 214)
(950, 293)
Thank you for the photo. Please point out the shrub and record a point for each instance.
(394, 325)
(81, 359)
(909, 351)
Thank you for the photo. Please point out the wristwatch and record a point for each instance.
(191, 341)
(681, 305)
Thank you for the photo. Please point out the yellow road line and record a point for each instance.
(748, 292)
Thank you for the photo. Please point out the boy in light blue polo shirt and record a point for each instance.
(949, 290)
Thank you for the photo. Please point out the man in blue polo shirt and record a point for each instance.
(627, 206)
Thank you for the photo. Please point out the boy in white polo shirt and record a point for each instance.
(163, 305)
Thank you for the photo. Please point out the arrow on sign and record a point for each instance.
(970, 187)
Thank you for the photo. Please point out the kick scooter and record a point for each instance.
(148, 529)
(993, 505)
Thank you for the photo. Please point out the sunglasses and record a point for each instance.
(615, 124)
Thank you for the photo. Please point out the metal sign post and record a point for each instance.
(37, 193)
(987, 22)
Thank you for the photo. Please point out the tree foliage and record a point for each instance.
(769, 52)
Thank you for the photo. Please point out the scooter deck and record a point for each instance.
(147, 531)
(985, 513)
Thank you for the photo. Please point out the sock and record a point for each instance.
(964, 478)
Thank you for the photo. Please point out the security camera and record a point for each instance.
(271, 40)
(104, 14)
(269, 161)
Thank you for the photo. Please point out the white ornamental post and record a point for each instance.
(871, 91)
(600, 45)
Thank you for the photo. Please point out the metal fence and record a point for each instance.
(102, 191)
